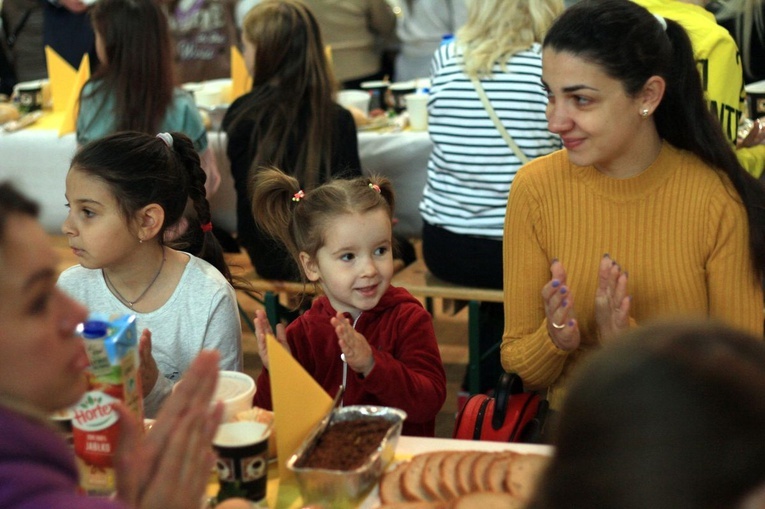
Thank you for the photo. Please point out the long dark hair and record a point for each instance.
(292, 92)
(672, 416)
(631, 45)
(141, 169)
(138, 72)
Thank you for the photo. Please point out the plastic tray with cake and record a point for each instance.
(339, 467)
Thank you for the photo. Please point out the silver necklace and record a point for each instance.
(151, 283)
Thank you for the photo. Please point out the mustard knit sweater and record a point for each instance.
(677, 228)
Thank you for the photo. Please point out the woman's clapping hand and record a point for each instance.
(169, 466)
(612, 302)
(559, 309)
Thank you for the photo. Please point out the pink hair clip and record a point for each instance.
(298, 196)
(374, 186)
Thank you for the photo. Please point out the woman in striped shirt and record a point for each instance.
(471, 167)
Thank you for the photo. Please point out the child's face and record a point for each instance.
(355, 264)
(97, 231)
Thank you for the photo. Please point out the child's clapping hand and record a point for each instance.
(358, 353)
(263, 327)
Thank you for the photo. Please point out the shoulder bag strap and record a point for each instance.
(501, 128)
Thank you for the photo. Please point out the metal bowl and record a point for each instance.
(346, 488)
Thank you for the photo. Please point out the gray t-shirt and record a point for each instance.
(201, 313)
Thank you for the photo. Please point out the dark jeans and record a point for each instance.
(471, 261)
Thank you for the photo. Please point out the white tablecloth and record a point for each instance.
(36, 161)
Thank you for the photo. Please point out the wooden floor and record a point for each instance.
(451, 331)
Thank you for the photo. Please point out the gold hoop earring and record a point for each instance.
(644, 112)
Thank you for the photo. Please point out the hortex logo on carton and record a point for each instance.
(95, 412)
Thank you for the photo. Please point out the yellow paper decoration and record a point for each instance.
(61, 76)
(299, 403)
(241, 81)
(69, 123)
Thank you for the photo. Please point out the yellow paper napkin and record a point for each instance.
(61, 76)
(69, 124)
(299, 403)
(241, 81)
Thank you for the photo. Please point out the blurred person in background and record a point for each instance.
(22, 32)
(134, 89)
(719, 63)
(745, 21)
(420, 30)
(358, 31)
(288, 120)
(67, 29)
(472, 166)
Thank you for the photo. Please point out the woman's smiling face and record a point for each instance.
(598, 122)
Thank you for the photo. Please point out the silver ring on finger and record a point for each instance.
(561, 326)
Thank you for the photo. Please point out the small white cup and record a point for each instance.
(417, 106)
(235, 390)
(358, 99)
(208, 97)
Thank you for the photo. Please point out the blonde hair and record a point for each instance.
(497, 29)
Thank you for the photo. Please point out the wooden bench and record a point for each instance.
(422, 283)
(268, 292)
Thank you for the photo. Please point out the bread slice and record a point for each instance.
(415, 505)
(480, 471)
(448, 482)
(411, 479)
(465, 471)
(431, 476)
(497, 472)
(524, 473)
(487, 500)
(390, 484)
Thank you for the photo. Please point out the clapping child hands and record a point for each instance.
(262, 328)
(358, 353)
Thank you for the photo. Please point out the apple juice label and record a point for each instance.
(112, 348)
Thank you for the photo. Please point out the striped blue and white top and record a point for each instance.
(471, 167)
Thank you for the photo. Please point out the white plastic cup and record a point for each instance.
(235, 390)
(358, 99)
(208, 97)
(755, 99)
(417, 106)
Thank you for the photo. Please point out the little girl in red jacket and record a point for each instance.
(376, 340)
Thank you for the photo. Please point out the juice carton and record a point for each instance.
(112, 347)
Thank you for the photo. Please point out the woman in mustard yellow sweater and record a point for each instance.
(645, 213)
